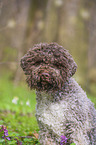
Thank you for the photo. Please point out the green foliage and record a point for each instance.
(93, 99)
(8, 92)
(1, 140)
(18, 116)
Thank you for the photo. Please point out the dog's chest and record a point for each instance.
(52, 114)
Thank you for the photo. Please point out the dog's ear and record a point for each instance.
(72, 66)
(63, 60)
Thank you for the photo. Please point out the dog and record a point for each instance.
(63, 108)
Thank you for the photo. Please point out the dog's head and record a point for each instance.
(47, 66)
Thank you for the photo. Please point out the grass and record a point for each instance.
(19, 117)
(93, 99)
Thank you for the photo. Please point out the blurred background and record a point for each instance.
(70, 23)
(23, 23)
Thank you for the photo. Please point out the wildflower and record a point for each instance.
(5, 132)
(63, 140)
(28, 103)
(20, 143)
(15, 100)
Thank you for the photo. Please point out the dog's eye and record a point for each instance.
(38, 62)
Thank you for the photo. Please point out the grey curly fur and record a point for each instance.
(64, 111)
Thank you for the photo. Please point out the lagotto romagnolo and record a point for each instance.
(62, 106)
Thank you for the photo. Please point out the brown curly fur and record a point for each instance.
(47, 66)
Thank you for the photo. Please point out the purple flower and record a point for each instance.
(8, 138)
(5, 132)
(19, 142)
(63, 140)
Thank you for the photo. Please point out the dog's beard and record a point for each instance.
(44, 77)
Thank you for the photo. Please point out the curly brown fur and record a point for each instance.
(48, 66)
(65, 110)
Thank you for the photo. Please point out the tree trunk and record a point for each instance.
(51, 21)
(92, 48)
(18, 39)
